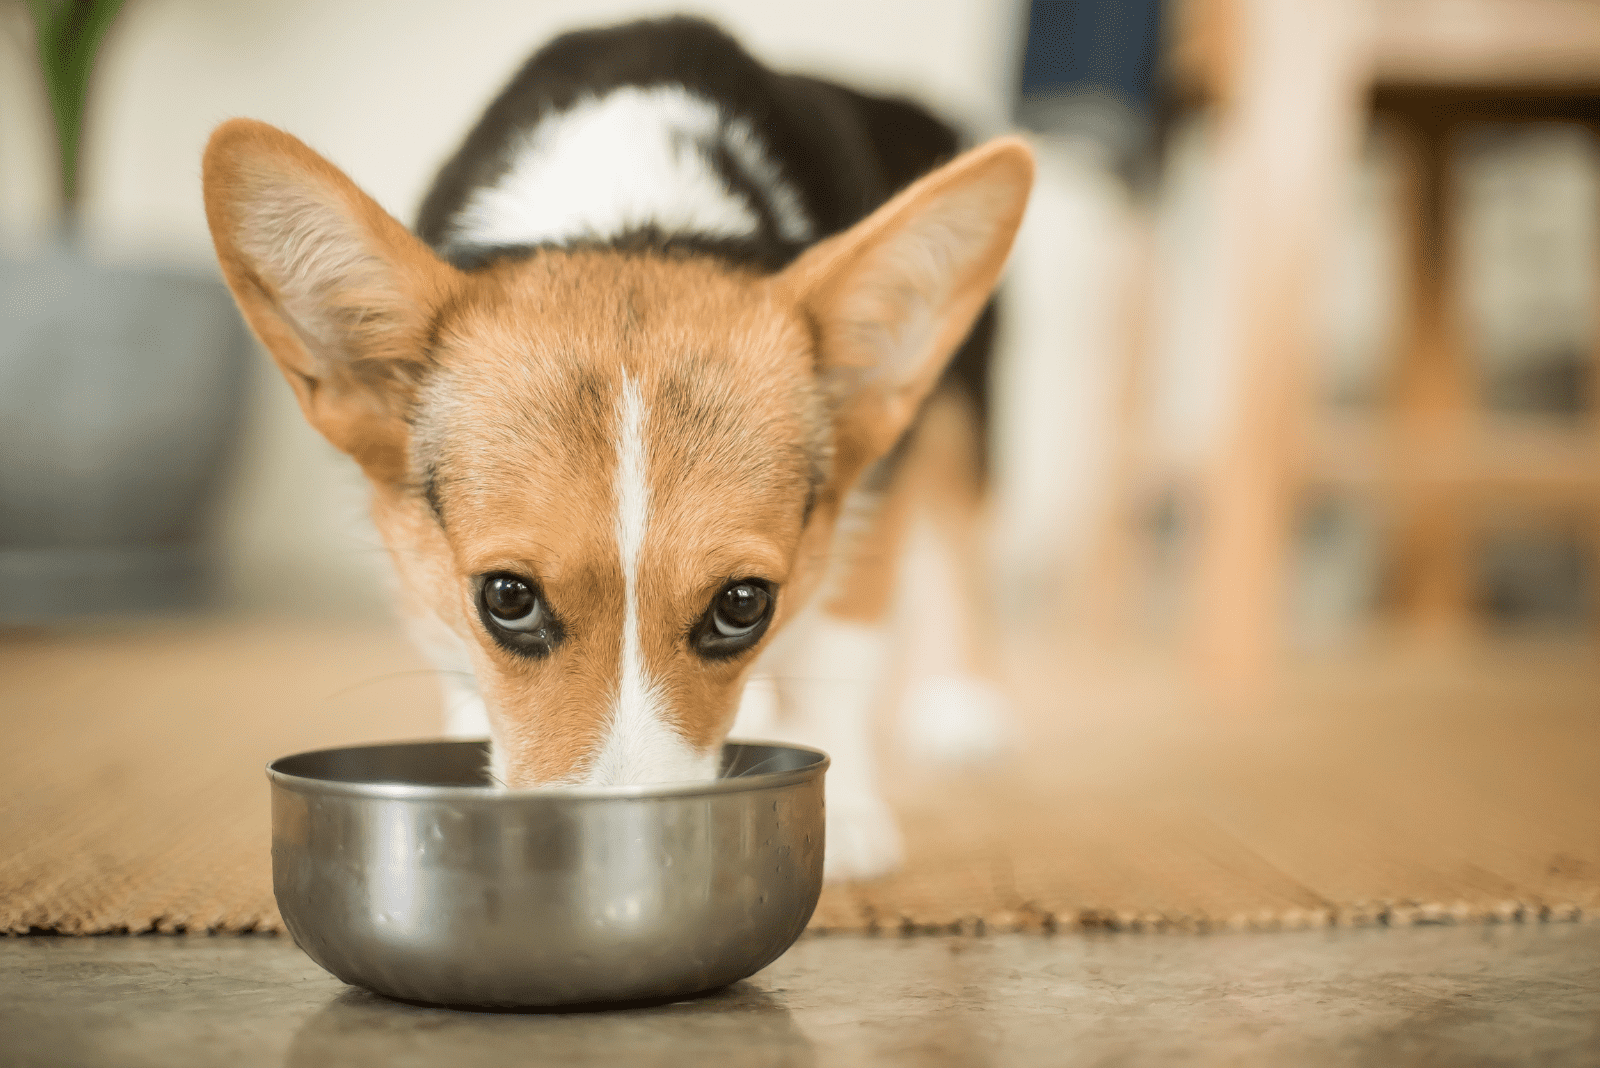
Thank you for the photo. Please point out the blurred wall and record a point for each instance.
(385, 91)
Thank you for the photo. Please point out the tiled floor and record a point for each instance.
(1468, 995)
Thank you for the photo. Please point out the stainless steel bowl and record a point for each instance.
(398, 869)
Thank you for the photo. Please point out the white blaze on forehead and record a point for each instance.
(632, 158)
(640, 745)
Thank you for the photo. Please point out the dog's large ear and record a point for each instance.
(337, 289)
(892, 298)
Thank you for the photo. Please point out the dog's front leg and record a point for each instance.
(818, 686)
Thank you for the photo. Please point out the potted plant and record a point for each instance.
(120, 387)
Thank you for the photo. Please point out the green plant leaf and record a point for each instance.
(68, 33)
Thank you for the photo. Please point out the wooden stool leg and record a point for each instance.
(1590, 508)
(1107, 572)
(1287, 136)
(1433, 403)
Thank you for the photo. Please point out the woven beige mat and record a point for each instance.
(132, 796)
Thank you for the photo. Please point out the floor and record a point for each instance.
(1469, 995)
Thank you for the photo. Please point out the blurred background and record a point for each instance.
(1298, 337)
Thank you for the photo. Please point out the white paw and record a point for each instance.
(955, 719)
(863, 840)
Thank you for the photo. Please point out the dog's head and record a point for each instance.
(613, 475)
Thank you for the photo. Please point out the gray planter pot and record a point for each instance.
(120, 393)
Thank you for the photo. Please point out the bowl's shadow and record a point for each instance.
(740, 1024)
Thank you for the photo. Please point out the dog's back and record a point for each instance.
(668, 135)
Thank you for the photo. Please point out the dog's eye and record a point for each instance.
(740, 609)
(511, 601)
(515, 614)
(737, 618)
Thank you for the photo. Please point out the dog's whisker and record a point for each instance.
(754, 769)
(820, 679)
(391, 676)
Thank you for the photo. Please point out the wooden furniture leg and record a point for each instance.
(1433, 404)
(1287, 135)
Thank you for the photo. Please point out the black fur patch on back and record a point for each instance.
(845, 152)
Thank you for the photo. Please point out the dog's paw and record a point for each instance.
(863, 839)
(956, 719)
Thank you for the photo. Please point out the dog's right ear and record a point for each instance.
(337, 289)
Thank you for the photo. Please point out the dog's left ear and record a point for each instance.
(892, 298)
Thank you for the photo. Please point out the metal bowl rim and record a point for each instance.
(392, 791)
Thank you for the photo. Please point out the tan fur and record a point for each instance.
(496, 393)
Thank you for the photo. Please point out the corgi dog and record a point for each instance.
(629, 397)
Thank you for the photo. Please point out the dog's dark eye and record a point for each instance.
(737, 618)
(740, 608)
(515, 614)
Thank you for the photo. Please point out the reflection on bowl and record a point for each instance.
(397, 868)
